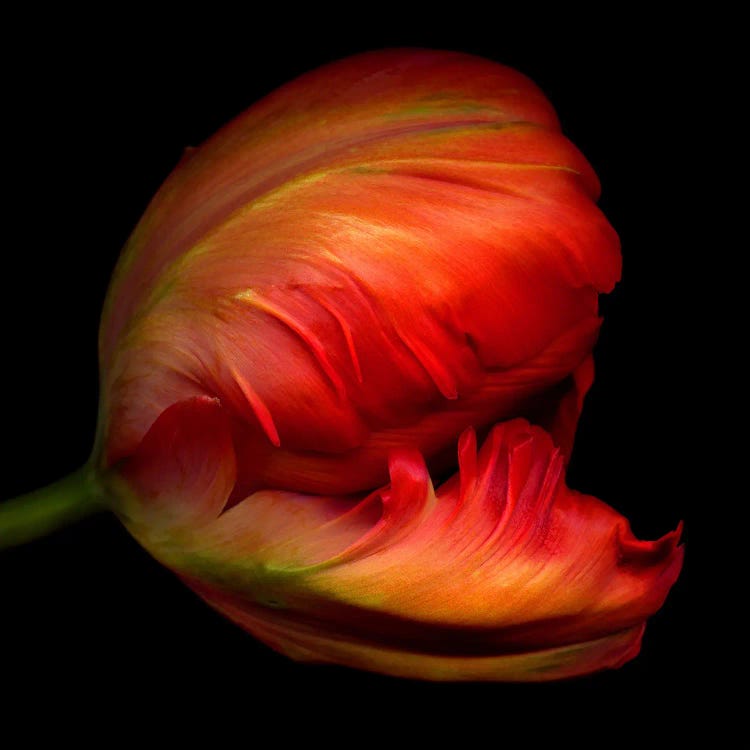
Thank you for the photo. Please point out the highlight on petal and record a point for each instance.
(501, 572)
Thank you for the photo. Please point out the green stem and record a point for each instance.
(43, 511)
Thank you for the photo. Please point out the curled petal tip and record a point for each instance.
(633, 551)
(410, 480)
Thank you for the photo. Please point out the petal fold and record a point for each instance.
(184, 468)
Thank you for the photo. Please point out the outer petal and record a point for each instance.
(502, 573)
(380, 254)
(342, 107)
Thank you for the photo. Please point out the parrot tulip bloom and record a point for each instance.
(335, 298)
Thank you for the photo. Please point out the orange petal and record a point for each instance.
(502, 573)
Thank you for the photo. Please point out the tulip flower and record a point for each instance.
(342, 359)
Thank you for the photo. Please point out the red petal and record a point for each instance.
(418, 253)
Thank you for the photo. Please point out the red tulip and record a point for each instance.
(326, 302)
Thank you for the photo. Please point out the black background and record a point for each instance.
(93, 124)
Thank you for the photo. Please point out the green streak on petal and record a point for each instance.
(442, 107)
